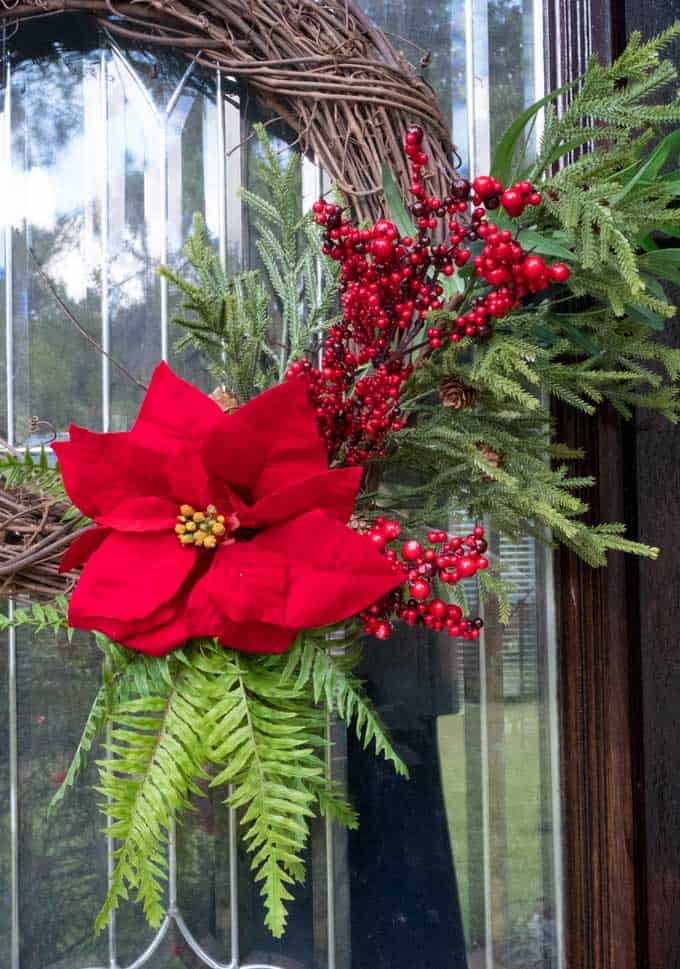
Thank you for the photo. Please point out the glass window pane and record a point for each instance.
(460, 867)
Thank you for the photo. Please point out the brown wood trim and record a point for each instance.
(599, 662)
(600, 750)
(656, 475)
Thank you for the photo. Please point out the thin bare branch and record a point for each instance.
(68, 313)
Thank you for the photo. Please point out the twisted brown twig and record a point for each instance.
(70, 316)
(33, 537)
(320, 64)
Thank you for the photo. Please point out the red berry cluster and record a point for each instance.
(354, 416)
(516, 198)
(503, 264)
(488, 191)
(389, 285)
(448, 558)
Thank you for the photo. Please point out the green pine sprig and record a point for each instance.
(606, 167)
(226, 318)
(304, 285)
(40, 617)
(249, 326)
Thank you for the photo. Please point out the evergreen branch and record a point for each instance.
(35, 472)
(39, 617)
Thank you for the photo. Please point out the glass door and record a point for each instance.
(105, 154)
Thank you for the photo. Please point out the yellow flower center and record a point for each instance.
(204, 529)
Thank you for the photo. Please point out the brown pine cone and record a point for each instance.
(224, 399)
(360, 524)
(494, 459)
(453, 392)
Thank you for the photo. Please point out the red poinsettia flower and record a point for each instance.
(210, 524)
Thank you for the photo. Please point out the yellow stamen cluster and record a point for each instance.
(202, 529)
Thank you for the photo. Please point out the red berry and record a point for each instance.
(483, 186)
(411, 550)
(467, 567)
(513, 202)
(533, 268)
(414, 135)
(419, 589)
(438, 608)
(454, 613)
(383, 228)
(559, 273)
(383, 250)
(460, 188)
(383, 630)
(379, 539)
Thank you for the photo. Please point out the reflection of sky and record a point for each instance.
(45, 193)
(58, 188)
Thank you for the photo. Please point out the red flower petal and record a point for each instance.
(189, 480)
(334, 492)
(142, 515)
(247, 584)
(333, 572)
(269, 443)
(174, 414)
(207, 618)
(130, 577)
(256, 637)
(101, 470)
(82, 547)
(163, 631)
(170, 635)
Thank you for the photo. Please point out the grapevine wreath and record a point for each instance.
(391, 364)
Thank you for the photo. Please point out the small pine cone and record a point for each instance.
(494, 459)
(360, 524)
(453, 392)
(224, 399)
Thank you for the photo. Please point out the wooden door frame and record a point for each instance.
(599, 666)
(601, 755)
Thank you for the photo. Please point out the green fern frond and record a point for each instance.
(266, 735)
(156, 756)
(325, 664)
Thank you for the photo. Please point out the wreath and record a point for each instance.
(231, 553)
